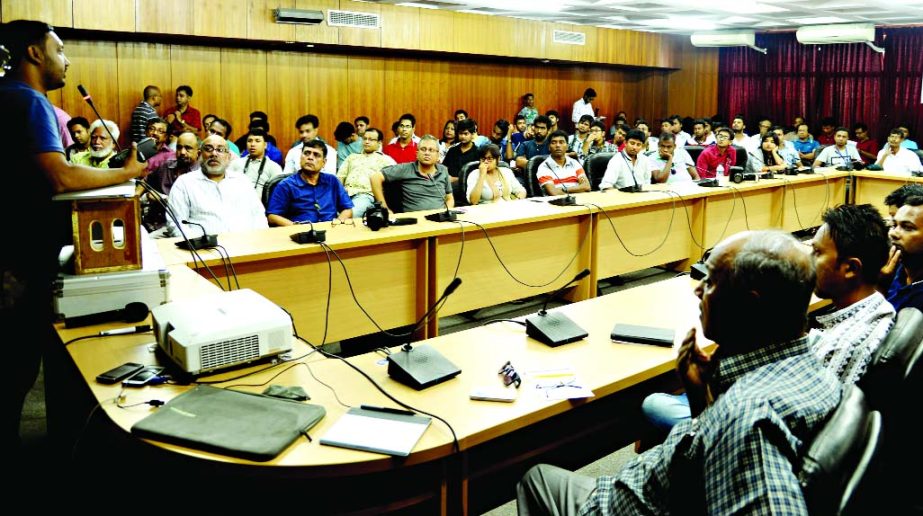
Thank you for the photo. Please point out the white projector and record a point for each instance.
(221, 330)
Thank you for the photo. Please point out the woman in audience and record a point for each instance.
(490, 183)
(448, 139)
(768, 158)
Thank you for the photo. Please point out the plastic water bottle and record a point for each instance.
(720, 170)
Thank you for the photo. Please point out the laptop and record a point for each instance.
(643, 335)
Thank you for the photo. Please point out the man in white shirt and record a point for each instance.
(682, 138)
(671, 164)
(221, 201)
(701, 131)
(584, 106)
(307, 127)
(740, 137)
(629, 167)
(895, 158)
(256, 166)
(756, 140)
(839, 154)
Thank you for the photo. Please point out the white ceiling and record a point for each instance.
(688, 16)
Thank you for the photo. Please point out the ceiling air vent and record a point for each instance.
(569, 38)
(353, 19)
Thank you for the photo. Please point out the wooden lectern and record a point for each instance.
(107, 234)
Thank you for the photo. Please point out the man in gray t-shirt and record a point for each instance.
(424, 183)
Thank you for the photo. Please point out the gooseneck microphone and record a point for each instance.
(422, 366)
(568, 199)
(444, 216)
(89, 100)
(312, 236)
(635, 188)
(555, 328)
(203, 242)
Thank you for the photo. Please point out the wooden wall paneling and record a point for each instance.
(200, 69)
(366, 90)
(327, 92)
(527, 38)
(402, 92)
(434, 98)
(56, 97)
(439, 30)
(360, 37)
(94, 65)
(55, 12)
(141, 64)
(649, 98)
(693, 89)
(261, 22)
(288, 100)
(320, 33)
(400, 27)
(244, 87)
(560, 51)
(166, 16)
(590, 51)
(115, 15)
(220, 18)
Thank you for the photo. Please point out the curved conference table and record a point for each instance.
(396, 273)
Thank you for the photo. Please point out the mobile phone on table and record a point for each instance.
(143, 377)
(119, 373)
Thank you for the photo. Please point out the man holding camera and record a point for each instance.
(357, 169)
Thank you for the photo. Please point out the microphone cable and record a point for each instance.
(666, 235)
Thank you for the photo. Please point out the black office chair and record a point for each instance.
(595, 168)
(467, 169)
(533, 188)
(919, 153)
(694, 151)
(270, 187)
(394, 194)
(892, 383)
(741, 156)
(842, 458)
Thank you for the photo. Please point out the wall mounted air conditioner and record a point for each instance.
(838, 33)
(299, 16)
(745, 38)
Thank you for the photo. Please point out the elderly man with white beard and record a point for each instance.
(220, 200)
(102, 148)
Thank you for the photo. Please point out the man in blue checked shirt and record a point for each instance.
(756, 401)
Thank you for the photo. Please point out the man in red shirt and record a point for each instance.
(404, 150)
(867, 147)
(184, 117)
(827, 126)
(720, 155)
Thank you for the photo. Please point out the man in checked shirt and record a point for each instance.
(755, 402)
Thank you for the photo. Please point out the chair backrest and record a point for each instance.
(694, 151)
(740, 156)
(840, 459)
(919, 153)
(466, 169)
(394, 195)
(533, 187)
(895, 363)
(270, 187)
(595, 168)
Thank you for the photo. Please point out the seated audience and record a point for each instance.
(78, 127)
(460, 114)
(102, 147)
(867, 147)
(144, 111)
(755, 401)
(221, 127)
(629, 167)
(553, 118)
(537, 146)
(739, 137)
(680, 137)
(903, 274)
(839, 154)
(424, 183)
(490, 183)
(756, 140)
(272, 152)
(619, 132)
(357, 170)
(767, 158)
(309, 195)
(219, 200)
(403, 148)
(805, 145)
(463, 153)
(256, 166)
(449, 132)
(897, 158)
(307, 127)
(560, 174)
(157, 130)
(596, 141)
(895, 199)
(348, 141)
(786, 148)
(257, 119)
(717, 159)
(671, 164)
(701, 136)
(907, 143)
(162, 178)
(361, 123)
(575, 141)
(827, 136)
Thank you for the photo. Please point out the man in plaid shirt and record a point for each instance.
(756, 402)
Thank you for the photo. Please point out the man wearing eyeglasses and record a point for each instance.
(357, 170)
(718, 157)
(424, 183)
(221, 201)
(157, 130)
(310, 196)
(221, 127)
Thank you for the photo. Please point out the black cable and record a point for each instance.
(86, 424)
(666, 235)
(100, 336)
(492, 321)
(323, 340)
(743, 202)
(230, 263)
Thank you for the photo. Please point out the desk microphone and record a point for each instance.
(568, 199)
(555, 328)
(311, 236)
(422, 366)
(203, 242)
(443, 216)
(635, 188)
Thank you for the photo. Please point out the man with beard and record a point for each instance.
(219, 200)
(102, 148)
(904, 270)
(163, 177)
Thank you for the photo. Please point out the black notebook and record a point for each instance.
(233, 423)
(643, 335)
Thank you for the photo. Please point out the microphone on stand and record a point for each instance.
(203, 242)
(422, 366)
(443, 216)
(568, 199)
(555, 328)
(311, 236)
(89, 100)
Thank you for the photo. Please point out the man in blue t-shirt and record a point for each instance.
(28, 265)
(309, 195)
(904, 270)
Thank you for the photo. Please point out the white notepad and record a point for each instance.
(379, 432)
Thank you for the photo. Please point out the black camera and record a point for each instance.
(146, 148)
(376, 217)
(737, 174)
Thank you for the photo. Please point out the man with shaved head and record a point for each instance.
(754, 401)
